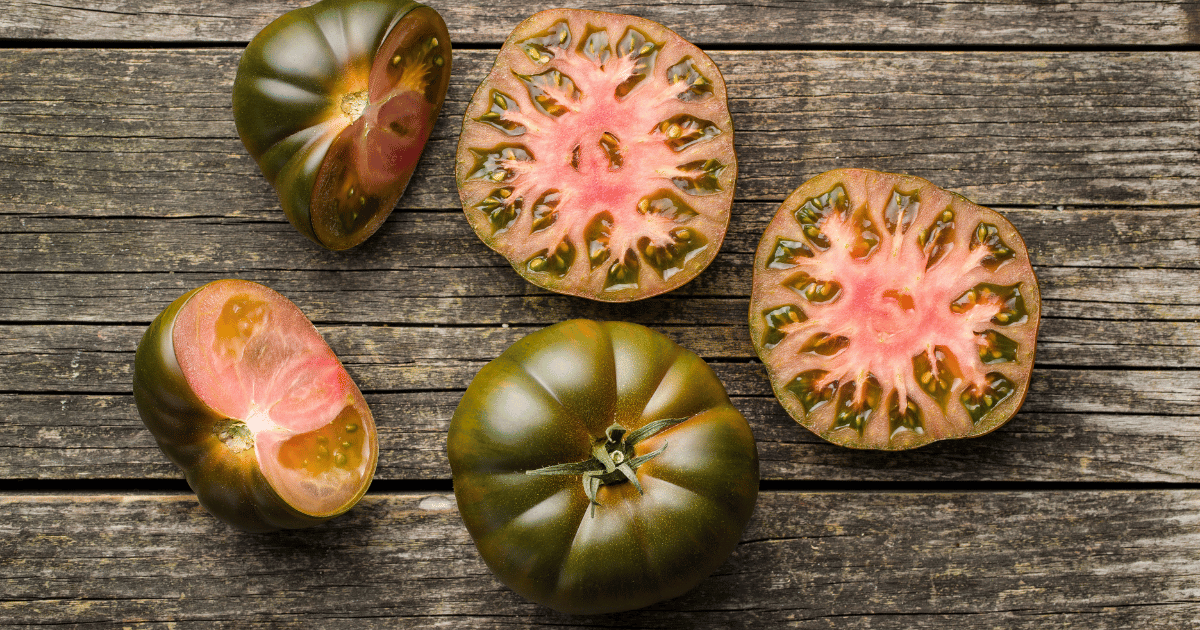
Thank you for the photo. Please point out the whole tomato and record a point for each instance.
(600, 467)
(335, 102)
(241, 392)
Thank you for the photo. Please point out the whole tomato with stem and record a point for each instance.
(600, 467)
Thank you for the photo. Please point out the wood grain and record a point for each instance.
(807, 560)
(1084, 238)
(99, 359)
(813, 22)
(99, 437)
(428, 268)
(149, 133)
(68, 413)
(123, 184)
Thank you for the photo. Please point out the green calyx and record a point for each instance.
(612, 460)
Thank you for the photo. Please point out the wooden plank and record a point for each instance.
(807, 560)
(812, 22)
(428, 259)
(68, 413)
(76, 436)
(404, 310)
(99, 359)
(495, 295)
(148, 133)
(1077, 237)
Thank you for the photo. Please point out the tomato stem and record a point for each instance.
(235, 435)
(613, 460)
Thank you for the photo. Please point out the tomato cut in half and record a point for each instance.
(891, 313)
(600, 467)
(335, 102)
(597, 156)
(242, 393)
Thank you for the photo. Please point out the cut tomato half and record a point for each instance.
(242, 393)
(335, 102)
(597, 156)
(890, 313)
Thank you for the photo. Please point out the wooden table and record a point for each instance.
(123, 184)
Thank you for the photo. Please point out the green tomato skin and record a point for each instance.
(288, 96)
(228, 484)
(547, 400)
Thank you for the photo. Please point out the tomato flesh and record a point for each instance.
(891, 313)
(597, 156)
(251, 356)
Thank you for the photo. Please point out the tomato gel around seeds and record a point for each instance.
(600, 467)
(243, 394)
(597, 156)
(890, 313)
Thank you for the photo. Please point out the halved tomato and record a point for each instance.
(891, 313)
(335, 102)
(242, 393)
(597, 156)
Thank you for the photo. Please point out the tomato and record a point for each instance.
(335, 102)
(241, 392)
(890, 313)
(600, 467)
(597, 156)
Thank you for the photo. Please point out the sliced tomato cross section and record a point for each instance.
(597, 156)
(242, 393)
(890, 313)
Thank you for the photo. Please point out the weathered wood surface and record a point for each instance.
(803, 22)
(1086, 239)
(1078, 424)
(149, 132)
(99, 436)
(808, 560)
(123, 184)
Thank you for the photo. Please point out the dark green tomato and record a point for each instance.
(335, 102)
(600, 467)
(241, 392)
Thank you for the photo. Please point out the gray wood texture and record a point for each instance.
(123, 184)
(1023, 128)
(798, 22)
(808, 560)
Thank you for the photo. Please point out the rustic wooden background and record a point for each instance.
(123, 184)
